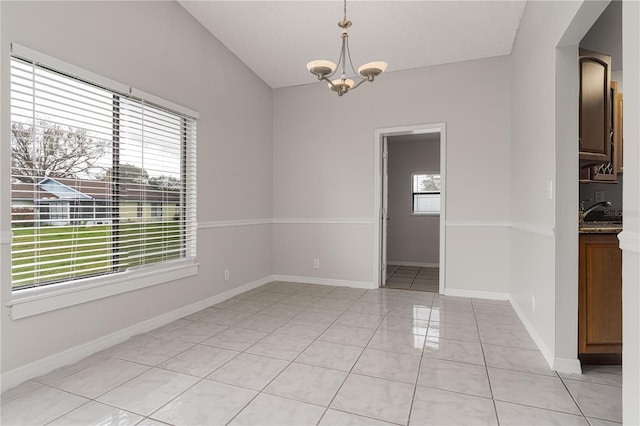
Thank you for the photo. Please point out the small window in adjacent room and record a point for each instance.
(426, 193)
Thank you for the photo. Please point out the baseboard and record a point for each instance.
(325, 281)
(478, 294)
(567, 365)
(420, 264)
(546, 353)
(21, 374)
(629, 241)
(564, 365)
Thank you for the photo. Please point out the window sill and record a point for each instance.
(425, 214)
(35, 301)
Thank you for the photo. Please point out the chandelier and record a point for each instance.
(324, 70)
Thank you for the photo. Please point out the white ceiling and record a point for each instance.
(277, 38)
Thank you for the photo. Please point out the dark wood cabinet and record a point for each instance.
(600, 295)
(595, 126)
(617, 130)
(609, 171)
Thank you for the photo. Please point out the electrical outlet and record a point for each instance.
(533, 303)
(316, 263)
(599, 195)
(226, 275)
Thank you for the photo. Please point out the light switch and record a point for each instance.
(550, 190)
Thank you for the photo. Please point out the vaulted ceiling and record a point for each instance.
(277, 38)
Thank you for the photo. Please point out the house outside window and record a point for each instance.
(83, 154)
(425, 189)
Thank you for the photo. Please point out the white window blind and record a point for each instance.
(101, 181)
(426, 193)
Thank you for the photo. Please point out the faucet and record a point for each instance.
(584, 213)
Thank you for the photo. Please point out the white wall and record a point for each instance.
(544, 132)
(159, 48)
(533, 169)
(535, 58)
(411, 238)
(630, 238)
(324, 168)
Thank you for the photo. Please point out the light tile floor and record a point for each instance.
(298, 354)
(413, 277)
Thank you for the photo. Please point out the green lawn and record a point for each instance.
(71, 252)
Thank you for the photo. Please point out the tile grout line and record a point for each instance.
(95, 399)
(287, 366)
(261, 391)
(572, 397)
(310, 293)
(385, 316)
(73, 409)
(520, 371)
(354, 364)
(486, 367)
(201, 379)
(415, 386)
(415, 277)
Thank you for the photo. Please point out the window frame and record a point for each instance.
(413, 194)
(26, 302)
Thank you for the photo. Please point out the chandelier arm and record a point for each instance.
(349, 56)
(333, 86)
(341, 59)
(359, 83)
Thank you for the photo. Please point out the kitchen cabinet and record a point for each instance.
(599, 295)
(617, 129)
(609, 171)
(594, 108)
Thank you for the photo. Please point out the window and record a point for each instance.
(58, 212)
(426, 193)
(156, 209)
(91, 167)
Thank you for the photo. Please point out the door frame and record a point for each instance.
(415, 129)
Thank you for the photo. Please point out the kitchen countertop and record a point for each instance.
(600, 228)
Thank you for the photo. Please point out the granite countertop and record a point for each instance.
(600, 228)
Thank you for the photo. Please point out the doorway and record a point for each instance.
(410, 207)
